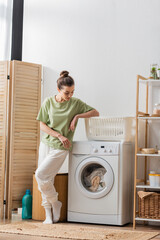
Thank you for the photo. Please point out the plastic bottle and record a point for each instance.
(27, 205)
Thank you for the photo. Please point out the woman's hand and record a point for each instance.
(66, 143)
(73, 123)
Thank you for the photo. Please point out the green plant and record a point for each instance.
(153, 69)
(154, 72)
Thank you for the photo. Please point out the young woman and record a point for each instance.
(58, 118)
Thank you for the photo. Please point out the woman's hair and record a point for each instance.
(65, 80)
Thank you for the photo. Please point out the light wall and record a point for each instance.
(6, 7)
(103, 44)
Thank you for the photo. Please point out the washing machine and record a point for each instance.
(99, 182)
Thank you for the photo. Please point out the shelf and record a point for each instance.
(147, 186)
(149, 118)
(150, 82)
(147, 219)
(148, 155)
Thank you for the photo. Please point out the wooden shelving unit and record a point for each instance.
(142, 183)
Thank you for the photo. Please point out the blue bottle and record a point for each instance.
(27, 205)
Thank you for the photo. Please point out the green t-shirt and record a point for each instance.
(58, 116)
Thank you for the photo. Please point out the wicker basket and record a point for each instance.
(149, 207)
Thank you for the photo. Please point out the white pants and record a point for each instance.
(49, 162)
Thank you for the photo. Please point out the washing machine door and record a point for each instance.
(94, 177)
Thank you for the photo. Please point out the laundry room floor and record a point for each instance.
(16, 217)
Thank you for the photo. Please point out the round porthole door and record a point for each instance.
(94, 177)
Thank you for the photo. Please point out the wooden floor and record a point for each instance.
(16, 217)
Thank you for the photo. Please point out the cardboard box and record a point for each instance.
(61, 186)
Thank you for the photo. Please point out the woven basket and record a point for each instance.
(149, 207)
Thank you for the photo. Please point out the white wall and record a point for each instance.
(103, 44)
(5, 29)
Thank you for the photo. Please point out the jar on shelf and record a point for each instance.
(158, 72)
(156, 149)
(156, 109)
(154, 179)
(153, 71)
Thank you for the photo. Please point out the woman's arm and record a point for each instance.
(92, 113)
(66, 143)
(48, 130)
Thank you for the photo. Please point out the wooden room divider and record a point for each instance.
(3, 128)
(23, 134)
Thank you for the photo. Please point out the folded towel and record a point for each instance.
(143, 194)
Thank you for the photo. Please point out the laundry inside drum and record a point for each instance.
(92, 177)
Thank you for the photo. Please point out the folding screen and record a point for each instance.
(3, 124)
(25, 100)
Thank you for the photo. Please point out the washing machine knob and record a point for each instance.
(105, 150)
(95, 150)
(110, 150)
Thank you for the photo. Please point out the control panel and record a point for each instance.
(105, 148)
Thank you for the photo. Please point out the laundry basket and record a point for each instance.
(110, 128)
(149, 205)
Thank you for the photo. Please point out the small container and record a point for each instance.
(148, 183)
(156, 149)
(154, 179)
(158, 71)
(27, 205)
(156, 109)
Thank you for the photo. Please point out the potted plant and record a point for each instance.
(154, 73)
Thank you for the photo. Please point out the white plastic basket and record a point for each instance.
(110, 128)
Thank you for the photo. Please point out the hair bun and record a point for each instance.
(64, 74)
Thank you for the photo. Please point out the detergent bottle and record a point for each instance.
(27, 205)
